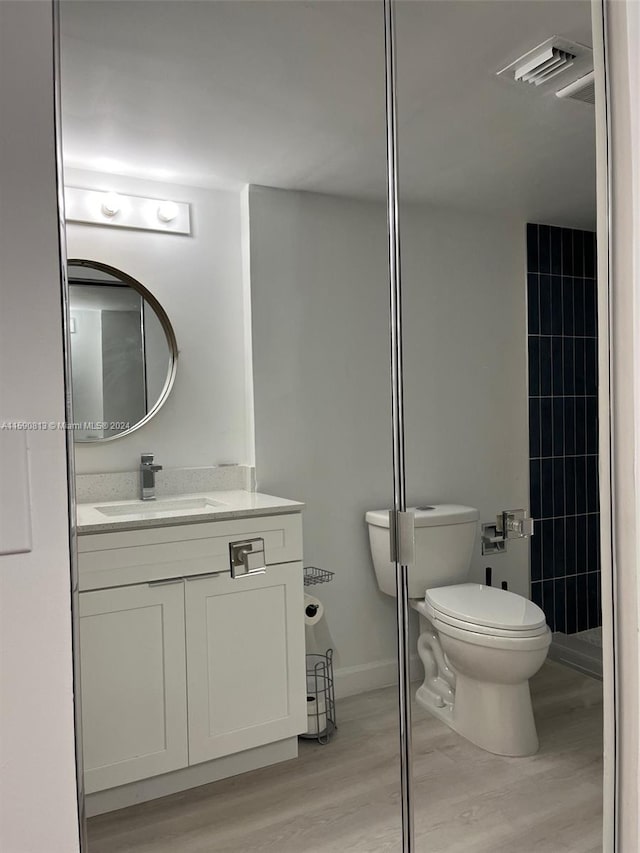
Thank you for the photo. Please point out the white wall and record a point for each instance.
(322, 388)
(198, 281)
(38, 808)
(466, 403)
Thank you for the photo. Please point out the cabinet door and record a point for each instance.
(245, 661)
(133, 681)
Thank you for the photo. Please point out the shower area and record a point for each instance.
(563, 440)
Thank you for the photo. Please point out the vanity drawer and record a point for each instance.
(127, 557)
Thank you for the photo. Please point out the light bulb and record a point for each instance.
(167, 211)
(111, 204)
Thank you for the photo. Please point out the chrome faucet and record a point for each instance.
(148, 477)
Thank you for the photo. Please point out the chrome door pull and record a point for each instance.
(166, 582)
(203, 576)
(247, 557)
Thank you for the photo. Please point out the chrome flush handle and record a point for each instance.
(516, 524)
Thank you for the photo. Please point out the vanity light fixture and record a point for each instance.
(111, 204)
(117, 210)
(167, 211)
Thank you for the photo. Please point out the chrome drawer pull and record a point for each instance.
(165, 582)
(247, 557)
(203, 575)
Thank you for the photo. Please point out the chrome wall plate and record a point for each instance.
(510, 524)
(247, 557)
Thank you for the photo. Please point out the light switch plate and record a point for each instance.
(15, 498)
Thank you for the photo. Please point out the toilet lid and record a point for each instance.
(486, 606)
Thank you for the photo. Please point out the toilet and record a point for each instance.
(479, 645)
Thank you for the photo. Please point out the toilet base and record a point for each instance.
(495, 717)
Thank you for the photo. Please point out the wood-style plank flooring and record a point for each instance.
(344, 797)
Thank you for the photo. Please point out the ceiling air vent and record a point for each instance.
(554, 58)
(544, 65)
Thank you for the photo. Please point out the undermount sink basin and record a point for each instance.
(158, 506)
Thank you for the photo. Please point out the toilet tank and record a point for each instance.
(445, 535)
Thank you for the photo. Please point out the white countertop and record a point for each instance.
(167, 510)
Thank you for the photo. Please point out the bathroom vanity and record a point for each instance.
(188, 673)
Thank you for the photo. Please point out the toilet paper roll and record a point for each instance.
(313, 610)
(316, 715)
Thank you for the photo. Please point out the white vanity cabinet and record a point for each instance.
(184, 666)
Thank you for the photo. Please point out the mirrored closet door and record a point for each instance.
(325, 604)
(497, 167)
(225, 162)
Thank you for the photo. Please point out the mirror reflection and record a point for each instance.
(268, 121)
(121, 351)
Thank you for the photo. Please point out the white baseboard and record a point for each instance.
(350, 680)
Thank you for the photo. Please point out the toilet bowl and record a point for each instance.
(479, 645)
(493, 641)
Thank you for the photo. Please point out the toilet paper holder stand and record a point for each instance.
(321, 697)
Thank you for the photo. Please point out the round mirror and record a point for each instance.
(123, 351)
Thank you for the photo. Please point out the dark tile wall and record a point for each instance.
(563, 426)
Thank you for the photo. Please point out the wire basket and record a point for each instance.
(321, 698)
(313, 575)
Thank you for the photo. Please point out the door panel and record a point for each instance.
(245, 661)
(133, 683)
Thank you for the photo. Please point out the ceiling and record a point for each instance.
(291, 94)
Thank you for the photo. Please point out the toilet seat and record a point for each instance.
(485, 610)
(477, 635)
(507, 641)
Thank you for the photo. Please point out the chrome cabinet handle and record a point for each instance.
(165, 582)
(247, 557)
(203, 575)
